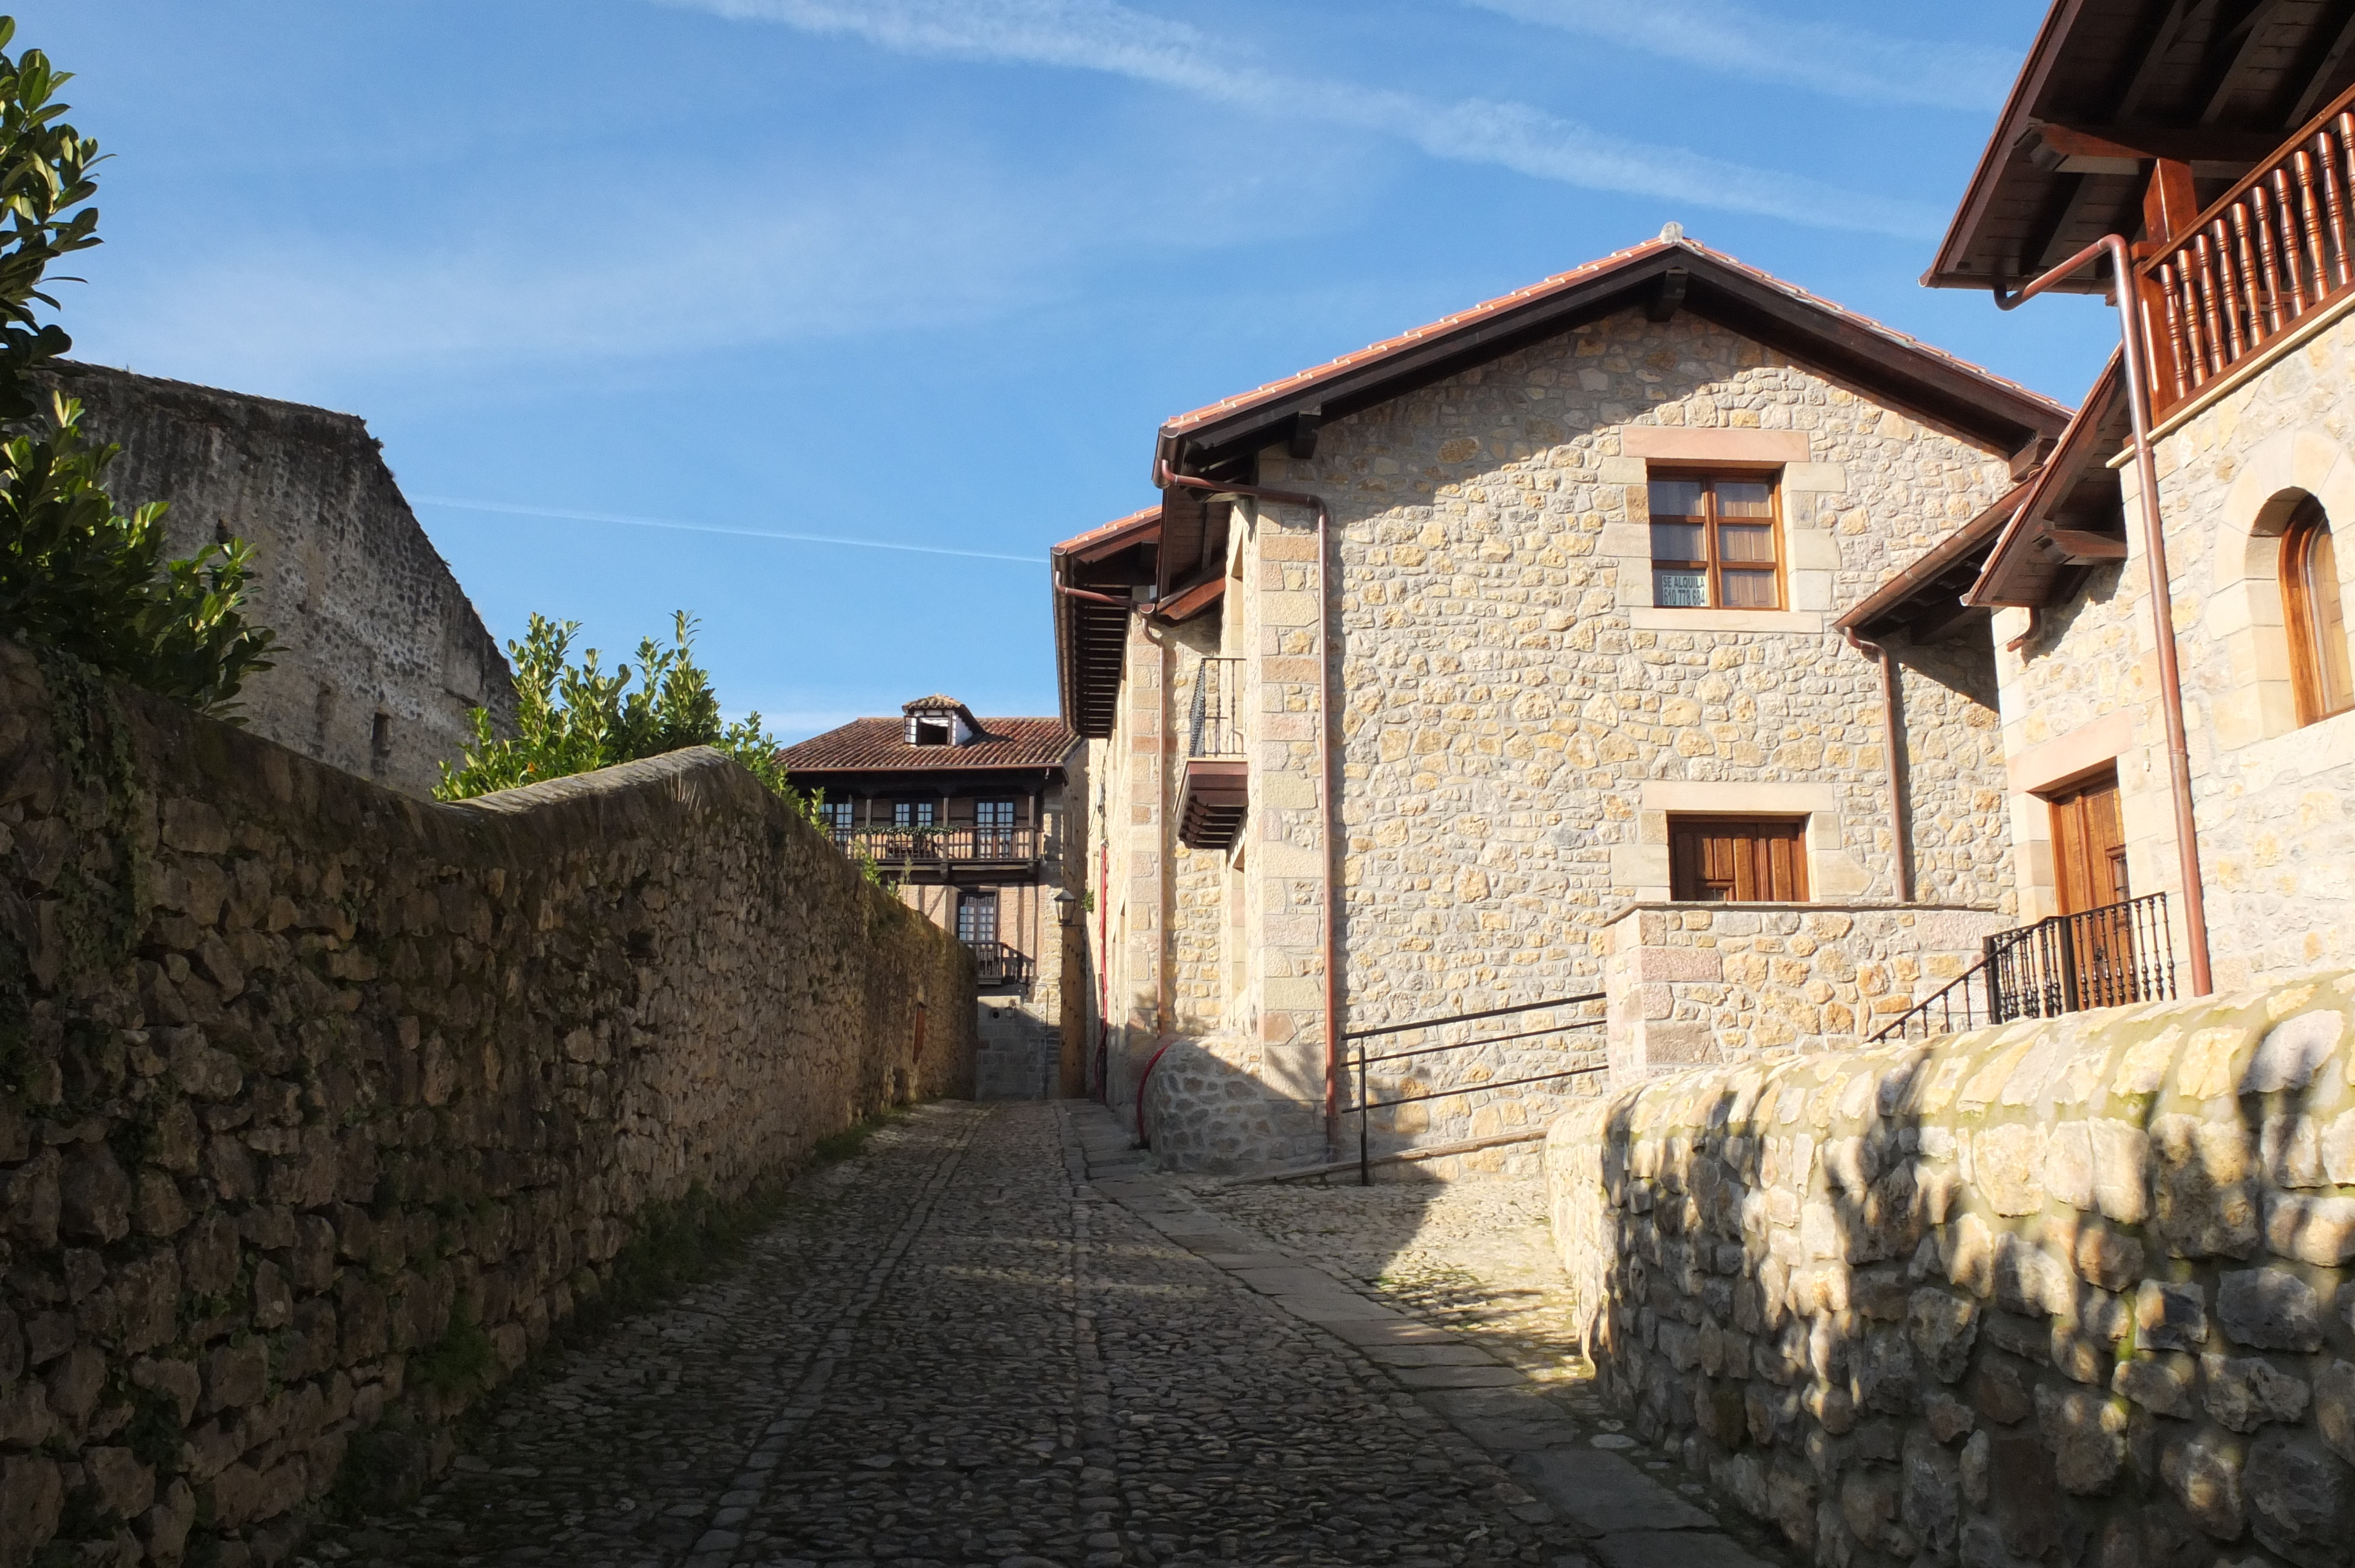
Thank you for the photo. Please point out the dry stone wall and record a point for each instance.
(319, 1105)
(2071, 1292)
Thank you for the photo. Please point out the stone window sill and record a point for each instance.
(1652, 618)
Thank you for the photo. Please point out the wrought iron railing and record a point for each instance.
(926, 846)
(1216, 727)
(2274, 249)
(2108, 956)
(1365, 1106)
(999, 965)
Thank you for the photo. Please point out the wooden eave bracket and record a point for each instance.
(2130, 149)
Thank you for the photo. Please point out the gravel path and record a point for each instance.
(994, 1338)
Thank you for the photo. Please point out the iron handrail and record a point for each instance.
(1366, 1106)
(2110, 956)
(1214, 728)
(1470, 1017)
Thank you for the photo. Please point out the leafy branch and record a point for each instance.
(572, 717)
(75, 574)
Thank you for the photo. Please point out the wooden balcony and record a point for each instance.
(2276, 250)
(999, 968)
(943, 847)
(1218, 778)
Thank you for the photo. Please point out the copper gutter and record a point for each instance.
(2162, 607)
(1329, 790)
(1900, 814)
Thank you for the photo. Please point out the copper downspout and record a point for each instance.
(2162, 607)
(1330, 796)
(1900, 814)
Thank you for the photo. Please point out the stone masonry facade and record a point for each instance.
(1521, 724)
(319, 1105)
(2071, 1291)
(2276, 848)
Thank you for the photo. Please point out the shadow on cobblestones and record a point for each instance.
(948, 1351)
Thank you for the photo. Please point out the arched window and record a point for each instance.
(2318, 630)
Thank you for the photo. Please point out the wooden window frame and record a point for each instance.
(1684, 883)
(977, 898)
(2311, 671)
(839, 815)
(1712, 568)
(928, 807)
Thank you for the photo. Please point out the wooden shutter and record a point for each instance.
(1741, 860)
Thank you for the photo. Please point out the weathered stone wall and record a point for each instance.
(319, 1104)
(381, 652)
(2278, 850)
(1697, 983)
(2071, 1292)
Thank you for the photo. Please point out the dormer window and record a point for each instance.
(940, 721)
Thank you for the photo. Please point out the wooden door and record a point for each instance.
(2089, 856)
(1744, 860)
(2089, 849)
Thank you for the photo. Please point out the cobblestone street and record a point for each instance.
(994, 1338)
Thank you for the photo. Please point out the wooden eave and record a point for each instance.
(2072, 517)
(1923, 603)
(1901, 373)
(1188, 603)
(2111, 86)
(1091, 637)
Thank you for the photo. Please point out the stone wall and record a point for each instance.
(381, 652)
(2072, 1292)
(1695, 983)
(1521, 720)
(319, 1104)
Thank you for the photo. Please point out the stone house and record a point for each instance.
(969, 818)
(1539, 603)
(381, 657)
(2198, 778)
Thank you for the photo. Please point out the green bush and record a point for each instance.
(573, 718)
(75, 574)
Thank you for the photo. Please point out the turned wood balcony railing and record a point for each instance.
(935, 846)
(2275, 251)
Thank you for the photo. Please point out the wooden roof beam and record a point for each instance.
(2234, 52)
(2326, 54)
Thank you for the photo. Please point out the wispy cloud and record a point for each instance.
(1738, 40)
(513, 510)
(1104, 37)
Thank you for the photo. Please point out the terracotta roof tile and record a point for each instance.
(880, 744)
(1560, 280)
(1136, 521)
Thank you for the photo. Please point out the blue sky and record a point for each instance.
(929, 272)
